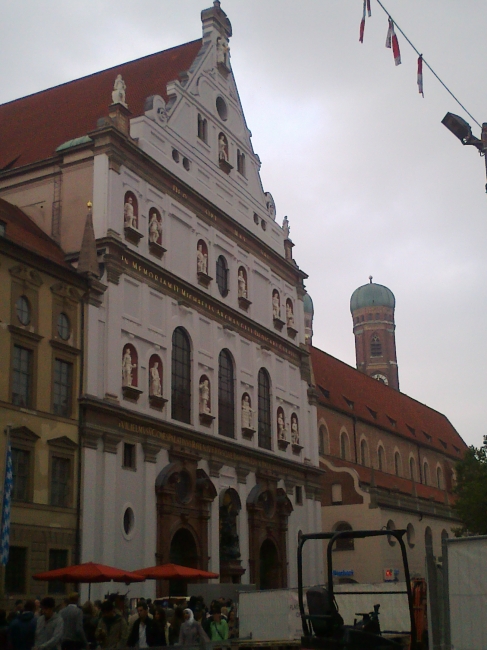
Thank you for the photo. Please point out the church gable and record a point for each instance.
(202, 128)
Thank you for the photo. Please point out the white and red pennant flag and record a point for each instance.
(362, 22)
(391, 41)
(420, 75)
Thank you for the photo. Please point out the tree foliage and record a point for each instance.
(471, 490)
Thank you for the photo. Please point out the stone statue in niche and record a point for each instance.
(223, 52)
(271, 206)
(242, 284)
(155, 229)
(246, 413)
(276, 305)
(294, 430)
(281, 425)
(201, 260)
(286, 228)
(204, 395)
(127, 368)
(118, 94)
(289, 314)
(229, 541)
(129, 218)
(222, 148)
(155, 388)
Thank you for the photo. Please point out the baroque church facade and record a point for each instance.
(198, 437)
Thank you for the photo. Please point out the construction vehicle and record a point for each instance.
(323, 626)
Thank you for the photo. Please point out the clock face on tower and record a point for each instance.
(381, 378)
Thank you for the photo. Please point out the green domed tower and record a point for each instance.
(372, 307)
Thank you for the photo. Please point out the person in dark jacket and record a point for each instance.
(161, 630)
(141, 635)
(22, 630)
(4, 629)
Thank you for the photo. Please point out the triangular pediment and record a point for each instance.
(62, 442)
(23, 434)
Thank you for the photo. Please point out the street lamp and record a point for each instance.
(463, 131)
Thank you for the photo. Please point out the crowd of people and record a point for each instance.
(109, 625)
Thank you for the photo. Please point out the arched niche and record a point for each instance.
(130, 373)
(202, 263)
(184, 495)
(204, 392)
(268, 509)
(155, 233)
(282, 435)
(156, 398)
(130, 211)
(231, 569)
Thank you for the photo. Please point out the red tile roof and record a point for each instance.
(20, 229)
(359, 395)
(33, 127)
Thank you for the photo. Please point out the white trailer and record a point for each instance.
(273, 615)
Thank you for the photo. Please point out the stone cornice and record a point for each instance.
(110, 420)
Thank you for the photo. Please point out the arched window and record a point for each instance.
(375, 346)
(364, 452)
(439, 478)
(181, 376)
(202, 128)
(428, 538)
(397, 464)
(410, 535)
(240, 162)
(222, 275)
(381, 455)
(344, 448)
(226, 395)
(412, 469)
(323, 440)
(264, 410)
(426, 473)
(343, 544)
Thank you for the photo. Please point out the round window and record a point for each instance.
(22, 307)
(221, 107)
(128, 521)
(63, 328)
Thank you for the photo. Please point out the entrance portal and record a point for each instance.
(269, 566)
(183, 551)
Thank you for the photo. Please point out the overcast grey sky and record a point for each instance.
(370, 179)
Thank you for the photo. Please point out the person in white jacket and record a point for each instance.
(50, 627)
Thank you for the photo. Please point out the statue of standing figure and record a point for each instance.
(155, 229)
(129, 218)
(119, 88)
(222, 148)
(281, 425)
(223, 52)
(242, 284)
(294, 430)
(127, 367)
(201, 260)
(204, 395)
(289, 314)
(276, 305)
(286, 228)
(155, 388)
(246, 412)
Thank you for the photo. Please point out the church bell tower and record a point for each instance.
(372, 307)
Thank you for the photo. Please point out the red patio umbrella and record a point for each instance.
(174, 572)
(90, 572)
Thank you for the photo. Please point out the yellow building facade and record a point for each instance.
(41, 357)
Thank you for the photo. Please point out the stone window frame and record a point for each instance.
(27, 547)
(28, 341)
(65, 300)
(25, 439)
(62, 447)
(324, 449)
(57, 547)
(131, 467)
(67, 354)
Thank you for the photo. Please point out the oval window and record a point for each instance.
(63, 328)
(221, 108)
(22, 308)
(128, 521)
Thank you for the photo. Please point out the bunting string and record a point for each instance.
(393, 43)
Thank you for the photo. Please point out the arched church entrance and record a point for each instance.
(269, 566)
(183, 551)
(268, 509)
(231, 568)
(184, 496)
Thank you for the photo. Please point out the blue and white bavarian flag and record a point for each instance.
(7, 498)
